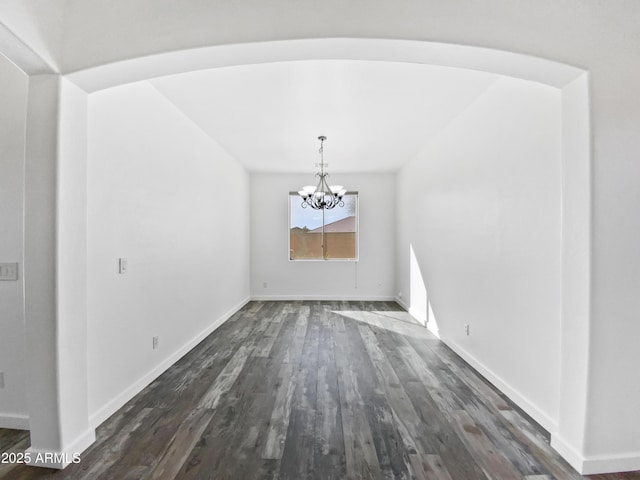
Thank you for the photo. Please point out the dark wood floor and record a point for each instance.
(324, 390)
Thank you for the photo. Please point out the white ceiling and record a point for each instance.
(376, 115)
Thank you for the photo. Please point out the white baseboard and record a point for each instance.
(353, 298)
(611, 463)
(14, 421)
(566, 451)
(595, 464)
(547, 422)
(60, 459)
(118, 402)
(400, 302)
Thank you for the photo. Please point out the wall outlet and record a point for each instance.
(9, 271)
(399, 294)
(123, 266)
(1, 379)
(264, 284)
(154, 343)
(466, 329)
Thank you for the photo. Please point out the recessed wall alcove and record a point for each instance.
(567, 429)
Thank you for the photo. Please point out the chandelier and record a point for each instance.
(322, 196)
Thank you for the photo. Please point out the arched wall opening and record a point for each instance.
(568, 431)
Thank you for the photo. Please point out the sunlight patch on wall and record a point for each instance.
(419, 305)
(418, 292)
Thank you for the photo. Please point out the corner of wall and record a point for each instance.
(402, 303)
(571, 455)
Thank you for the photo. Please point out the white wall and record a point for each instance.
(602, 38)
(576, 270)
(13, 98)
(372, 277)
(613, 423)
(480, 206)
(55, 268)
(165, 196)
(71, 269)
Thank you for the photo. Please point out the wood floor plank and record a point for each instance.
(279, 421)
(243, 459)
(392, 457)
(265, 344)
(360, 453)
(230, 446)
(298, 454)
(494, 427)
(429, 467)
(226, 379)
(323, 390)
(484, 407)
(416, 440)
(98, 463)
(539, 446)
(254, 308)
(286, 385)
(252, 401)
(446, 398)
(485, 453)
(15, 442)
(438, 421)
(128, 472)
(472, 379)
(294, 350)
(9, 438)
(423, 372)
(329, 453)
(180, 446)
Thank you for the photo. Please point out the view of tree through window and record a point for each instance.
(323, 234)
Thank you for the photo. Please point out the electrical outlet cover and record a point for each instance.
(9, 271)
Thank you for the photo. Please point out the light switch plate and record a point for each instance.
(123, 265)
(9, 271)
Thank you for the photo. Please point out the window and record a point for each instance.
(323, 234)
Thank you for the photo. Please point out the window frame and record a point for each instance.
(357, 257)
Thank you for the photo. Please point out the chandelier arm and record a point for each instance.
(319, 190)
